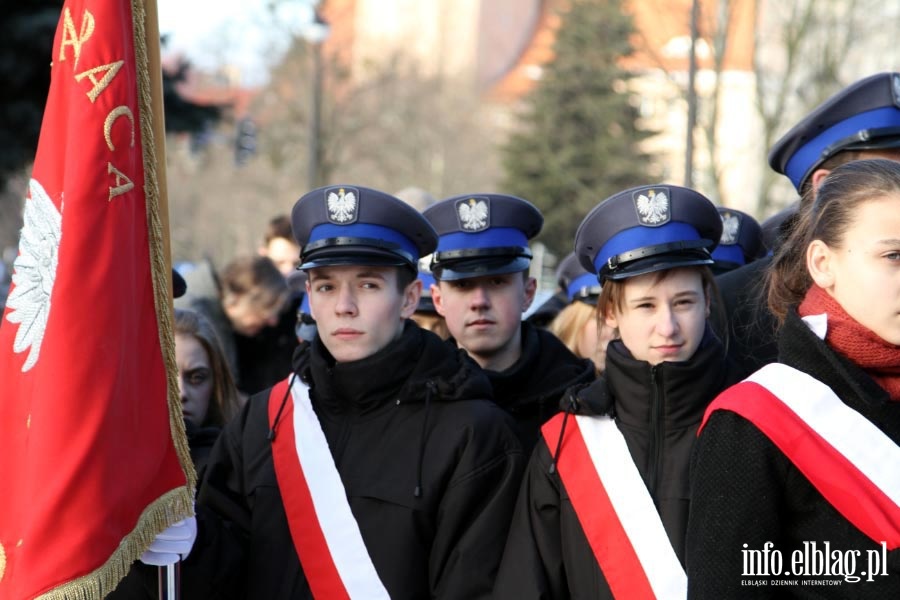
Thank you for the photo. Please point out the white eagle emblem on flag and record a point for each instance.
(653, 207)
(473, 214)
(34, 273)
(731, 225)
(341, 206)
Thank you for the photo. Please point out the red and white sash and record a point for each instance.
(325, 533)
(615, 509)
(851, 462)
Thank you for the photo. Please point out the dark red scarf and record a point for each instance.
(875, 356)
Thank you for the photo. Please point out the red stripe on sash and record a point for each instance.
(309, 541)
(839, 481)
(613, 550)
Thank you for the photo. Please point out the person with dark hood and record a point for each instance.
(379, 468)
(603, 509)
(482, 289)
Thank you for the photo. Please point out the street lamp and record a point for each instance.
(315, 33)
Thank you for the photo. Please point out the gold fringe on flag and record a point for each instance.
(176, 504)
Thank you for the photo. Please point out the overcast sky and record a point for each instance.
(211, 33)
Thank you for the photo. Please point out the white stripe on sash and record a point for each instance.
(341, 531)
(848, 432)
(633, 505)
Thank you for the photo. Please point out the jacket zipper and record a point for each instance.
(655, 450)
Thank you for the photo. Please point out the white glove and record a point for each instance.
(172, 545)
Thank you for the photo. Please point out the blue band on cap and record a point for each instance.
(427, 279)
(811, 152)
(639, 237)
(731, 253)
(582, 281)
(363, 230)
(496, 237)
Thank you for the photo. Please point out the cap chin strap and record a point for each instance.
(614, 262)
(588, 291)
(511, 251)
(867, 139)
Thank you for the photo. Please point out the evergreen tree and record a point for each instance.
(577, 141)
(26, 40)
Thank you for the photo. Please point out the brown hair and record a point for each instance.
(825, 217)
(612, 295)
(225, 401)
(256, 277)
(279, 227)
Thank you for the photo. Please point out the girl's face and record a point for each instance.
(195, 378)
(863, 271)
(663, 320)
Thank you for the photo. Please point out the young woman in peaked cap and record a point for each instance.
(795, 479)
(603, 509)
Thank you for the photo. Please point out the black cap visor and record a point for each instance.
(645, 261)
(588, 295)
(453, 270)
(426, 305)
(724, 266)
(350, 254)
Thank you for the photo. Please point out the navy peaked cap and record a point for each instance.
(647, 229)
(863, 116)
(578, 283)
(482, 234)
(355, 225)
(426, 302)
(741, 240)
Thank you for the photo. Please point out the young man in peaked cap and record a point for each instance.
(378, 469)
(861, 121)
(482, 288)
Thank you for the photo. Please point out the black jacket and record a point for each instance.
(415, 400)
(746, 492)
(530, 390)
(751, 327)
(658, 410)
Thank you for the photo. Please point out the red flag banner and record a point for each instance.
(93, 457)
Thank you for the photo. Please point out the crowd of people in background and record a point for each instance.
(372, 413)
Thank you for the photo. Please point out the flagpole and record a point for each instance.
(169, 575)
(170, 582)
(154, 64)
